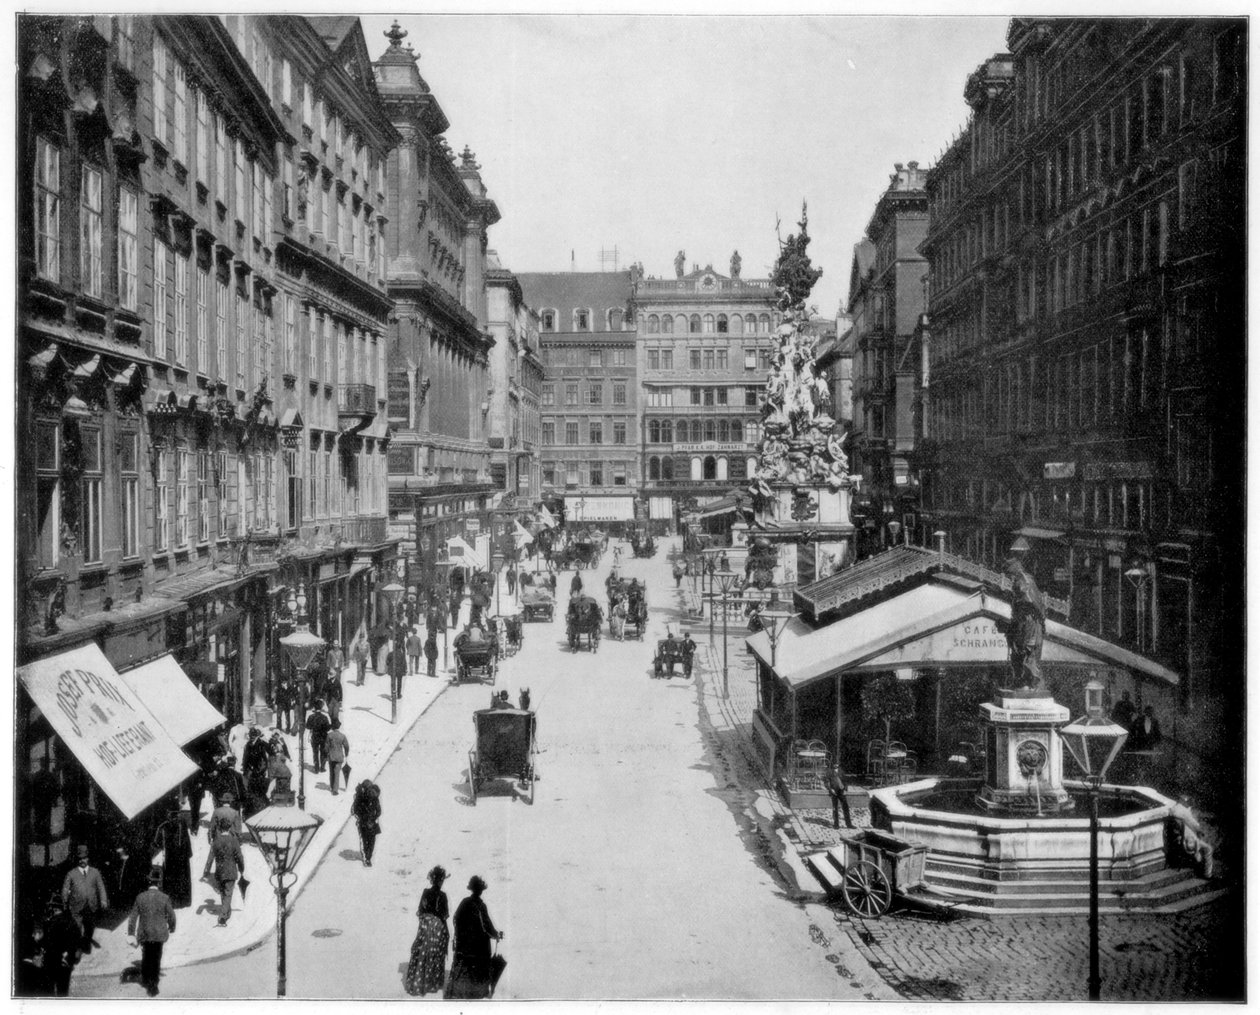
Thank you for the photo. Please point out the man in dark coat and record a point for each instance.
(397, 663)
(225, 812)
(318, 723)
(284, 697)
(333, 693)
(57, 947)
(152, 921)
(431, 652)
(473, 975)
(256, 758)
(688, 653)
(839, 801)
(229, 864)
(128, 874)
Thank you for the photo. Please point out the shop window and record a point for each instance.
(48, 492)
(667, 468)
(710, 467)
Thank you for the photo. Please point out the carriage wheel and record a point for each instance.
(866, 890)
(472, 776)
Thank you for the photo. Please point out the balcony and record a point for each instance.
(356, 405)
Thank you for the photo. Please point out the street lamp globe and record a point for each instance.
(301, 647)
(1094, 740)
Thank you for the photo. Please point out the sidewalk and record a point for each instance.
(365, 717)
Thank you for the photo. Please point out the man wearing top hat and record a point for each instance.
(83, 893)
(151, 923)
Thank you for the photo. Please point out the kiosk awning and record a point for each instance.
(114, 735)
(173, 699)
(933, 625)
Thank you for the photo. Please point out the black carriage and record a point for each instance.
(505, 751)
(636, 609)
(642, 544)
(583, 621)
(476, 655)
(513, 635)
(671, 652)
(538, 595)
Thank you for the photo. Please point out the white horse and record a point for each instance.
(617, 621)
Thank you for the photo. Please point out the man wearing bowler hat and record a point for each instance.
(83, 893)
(152, 921)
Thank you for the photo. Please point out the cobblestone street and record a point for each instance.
(1192, 956)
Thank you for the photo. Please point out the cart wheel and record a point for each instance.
(866, 890)
(472, 776)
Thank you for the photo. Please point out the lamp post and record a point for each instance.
(1093, 741)
(496, 561)
(301, 647)
(774, 623)
(708, 564)
(282, 835)
(1138, 576)
(727, 580)
(393, 594)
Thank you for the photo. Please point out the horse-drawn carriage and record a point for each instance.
(476, 654)
(627, 607)
(512, 635)
(641, 543)
(584, 619)
(505, 750)
(671, 652)
(538, 595)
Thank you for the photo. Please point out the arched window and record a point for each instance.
(548, 320)
(708, 324)
(696, 468)
(737, 325)
(750, 323)
(721, 467)
(737, 431)
(710, 467)
(667, 324)
(764, 322)
(654, 432)
(710, 430)
(722, 325)
(680, 324)
(654, 468)
(667, 431)
(653, 325)
(614, 320)
(695, 431)
(667, 468)
(724, 431)
(693, 325)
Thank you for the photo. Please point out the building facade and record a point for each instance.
(886, 299)
(588, 411)
(194, 438)
(1087, 254)
(705, 342)
(515, 383)
(439, 388)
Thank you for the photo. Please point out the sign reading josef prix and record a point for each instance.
(115, 737)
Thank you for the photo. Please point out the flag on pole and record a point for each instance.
(521, 535)
(546, 517)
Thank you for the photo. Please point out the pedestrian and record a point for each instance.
(58, 946)
(839, 801)
(414, 647)
(335, 661)
(360, 653)
(431, 652)
(151, 924)
(228, 780)
(456, 601)
(173, 843)
(284, 704)
(473, 971)
(83, 894)
(225, 812)
(367, 815)
(397, 664)
(1123, 712)
(129, 873)
(280, 780)
(1145, 735)
(334, 694)
(688, 653)
(278, 746)
(196, 787)
(678, 575)
(318, 723)
(511, 581)
(575, 586)
(426, 972)
(336, 750)
(229, 864)
(255, 759)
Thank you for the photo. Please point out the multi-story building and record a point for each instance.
(1087, 262)
(439, 385)
(705, 342)
(178, 392)
(886, 296)
(834, 361)
(588, 412)
(515, 382)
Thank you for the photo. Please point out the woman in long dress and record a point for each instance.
(174, 840)
(426, 972)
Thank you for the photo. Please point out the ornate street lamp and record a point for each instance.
(393, 593)
(728, 581)
(496, 562)
(1138, 576)
(1093, 741)
(708, 564)
(282, 835)
(301, 647)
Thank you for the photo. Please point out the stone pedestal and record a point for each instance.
(823, 532)
(1024, 761)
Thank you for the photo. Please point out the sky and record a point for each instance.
(654, 134)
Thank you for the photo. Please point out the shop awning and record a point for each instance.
(174, 699)
(1032, 532)
(936, 625)
(724, 506)
(108, 726)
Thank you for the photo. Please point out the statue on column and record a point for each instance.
(736, 263)
(1027, 629)
(680, 262)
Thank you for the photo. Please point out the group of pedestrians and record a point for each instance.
(475, 963)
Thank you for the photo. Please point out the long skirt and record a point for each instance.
(426, 972)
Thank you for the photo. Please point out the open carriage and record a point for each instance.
(583, 621)
(672, 653)
(538, 595)
(505, 751)
(476, 655)
(627, 607)
(641, 543)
